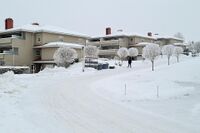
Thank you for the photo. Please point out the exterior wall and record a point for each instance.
(123, 42)
(140, 48)
(107, 45)
(25, 51)
(50, 37)
(171, 41)
(163, 42)
(137, 39)
(47, 53)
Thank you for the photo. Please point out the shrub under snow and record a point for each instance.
(195, 47)
(122, 53)
(64, 56)
(150, 52)
(91, 51)
(177, 52)
(133, 52)
(168, 50)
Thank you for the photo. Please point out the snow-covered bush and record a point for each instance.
(177, 52)
(168, 50)
(195, 47)
(64, 56)
(133, 52)
(122, 53)
(91, 51)
(150, 52)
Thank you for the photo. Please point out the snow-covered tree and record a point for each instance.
(198, 47)
(151, 51)
(179, 35)
(195, 47)
(122, 53)
(177, 52)
(91, 51)
(168, 50)
(64, 56)
(133, 52)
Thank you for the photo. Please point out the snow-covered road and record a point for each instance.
(59, 103)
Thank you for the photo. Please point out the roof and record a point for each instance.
(168, 37)
(181, 44)
(61, 44)
(124, 34)
(45, 28)
(143, 44)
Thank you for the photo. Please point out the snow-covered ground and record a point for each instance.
(70, 101)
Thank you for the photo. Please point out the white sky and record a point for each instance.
(91, 17)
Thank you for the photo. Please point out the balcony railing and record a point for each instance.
(108, 52)
(104, 43)
(5, 40)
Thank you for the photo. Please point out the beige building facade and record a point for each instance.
(18, 46)
(110, 43)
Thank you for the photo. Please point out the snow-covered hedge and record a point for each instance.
(64, 56)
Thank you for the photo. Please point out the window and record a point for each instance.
(37, 53)
(38, 38)
(15, 51)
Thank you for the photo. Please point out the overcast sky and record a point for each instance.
(165, 17)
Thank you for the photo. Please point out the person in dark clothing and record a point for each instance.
(129, 61)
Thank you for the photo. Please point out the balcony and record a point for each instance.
(108, 52)
(5, 41)
(104, 43)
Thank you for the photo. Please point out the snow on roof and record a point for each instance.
(121, 34)
(61, 44)
(181, 44)
(168, 37)
(45, 28)
(143, 44)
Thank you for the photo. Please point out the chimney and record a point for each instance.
(108, 31)
(149, 34)
(8, 23)
(35, 23)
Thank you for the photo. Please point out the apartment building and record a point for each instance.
(110, 43)
(22, 46)
(165, 40)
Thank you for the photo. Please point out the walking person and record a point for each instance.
(129, 61)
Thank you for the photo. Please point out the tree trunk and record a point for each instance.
(168, 60)
(177, 58)
(152, 62)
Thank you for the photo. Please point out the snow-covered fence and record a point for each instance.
(15, 69)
